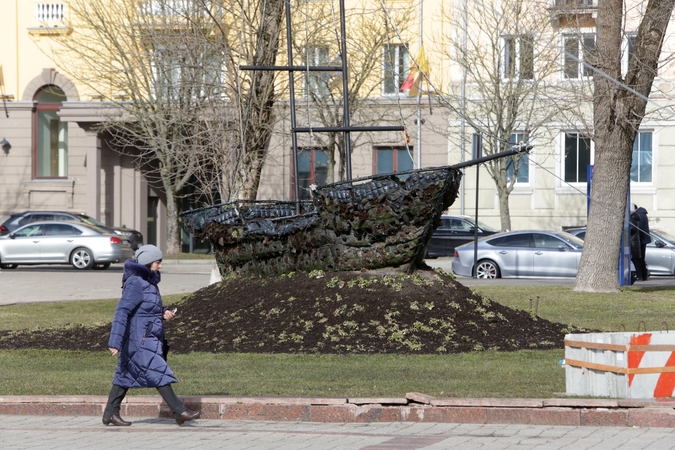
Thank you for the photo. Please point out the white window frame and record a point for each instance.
(316, 55)
(517, 41)
(627, 49)
(638, 138)
(522, 136)
(218, 72)
(399, 73)
(582, 72)
(579, 134)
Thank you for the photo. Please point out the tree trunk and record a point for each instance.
(258, 129)
(504, 211)
(173, 245)
(617, 116)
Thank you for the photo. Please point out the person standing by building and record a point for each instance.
(635, 247)
(645, 238)
(137, 336)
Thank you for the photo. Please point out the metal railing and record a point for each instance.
(575, 3)
(50, 12)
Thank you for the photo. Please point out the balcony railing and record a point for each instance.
(575, 3)
(50, 12)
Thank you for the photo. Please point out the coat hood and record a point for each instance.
(132, 267)
(641, 210)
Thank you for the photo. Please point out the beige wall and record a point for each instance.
(100, 182)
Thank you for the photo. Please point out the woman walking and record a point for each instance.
(137, 336)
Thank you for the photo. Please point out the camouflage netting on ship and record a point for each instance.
(370, 223)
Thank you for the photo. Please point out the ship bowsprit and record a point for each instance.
(366, 223)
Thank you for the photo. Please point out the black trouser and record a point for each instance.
(642, 271)
(117, 394)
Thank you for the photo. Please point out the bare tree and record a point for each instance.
(619, 105)
(509, 56)
(175, 99)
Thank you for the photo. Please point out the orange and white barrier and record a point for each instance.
(620, 365)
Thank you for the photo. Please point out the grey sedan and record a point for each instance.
(83, 246)
(521, 254)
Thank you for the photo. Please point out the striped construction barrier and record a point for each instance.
(620, 365)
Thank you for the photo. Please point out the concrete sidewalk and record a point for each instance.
(73, 432)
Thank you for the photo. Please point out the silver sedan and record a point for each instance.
(83, 246)
(521, 254)
(660, 254)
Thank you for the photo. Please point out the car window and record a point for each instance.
(570, 239)
(546, 241)
(63, 217)
(664, 237)
(513, 240)
(90, 220)
(30, 230)
(42, 217)
(25, 220)
(460, 225)
(58, 229)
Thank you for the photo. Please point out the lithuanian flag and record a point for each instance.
(418, 69)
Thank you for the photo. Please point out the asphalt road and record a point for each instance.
(28, 284)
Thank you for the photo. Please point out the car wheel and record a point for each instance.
(8, 266)
(487, 269)
(101, 266)
(82, 258)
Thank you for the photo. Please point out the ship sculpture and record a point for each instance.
(365, 223)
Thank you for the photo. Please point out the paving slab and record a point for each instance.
(68, 432)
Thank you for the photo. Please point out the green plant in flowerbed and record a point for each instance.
(485, 373)
(427, 312)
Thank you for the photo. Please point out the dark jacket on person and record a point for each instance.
(138, 330)
(635, 248)
(645, 238)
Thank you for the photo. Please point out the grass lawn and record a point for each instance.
(529, 374)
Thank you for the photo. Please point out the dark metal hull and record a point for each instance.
(367, 223)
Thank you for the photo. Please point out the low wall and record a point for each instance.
(413, 408)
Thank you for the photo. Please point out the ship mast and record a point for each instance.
(346, 127)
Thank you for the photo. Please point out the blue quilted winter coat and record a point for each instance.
(138, 331)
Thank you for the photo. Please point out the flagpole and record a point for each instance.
(463, 105)
(419, 98)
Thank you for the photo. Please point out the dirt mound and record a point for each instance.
(344, 312)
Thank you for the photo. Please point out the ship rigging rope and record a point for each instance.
(308, 56)
(388, 19)
(241, 123)
(479, 128)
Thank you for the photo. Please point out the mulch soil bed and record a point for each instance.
(428, 312)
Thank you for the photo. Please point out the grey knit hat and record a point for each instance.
(148, 254)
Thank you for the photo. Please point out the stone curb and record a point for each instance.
(415, 407)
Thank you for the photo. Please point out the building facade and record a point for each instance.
(58, 159)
